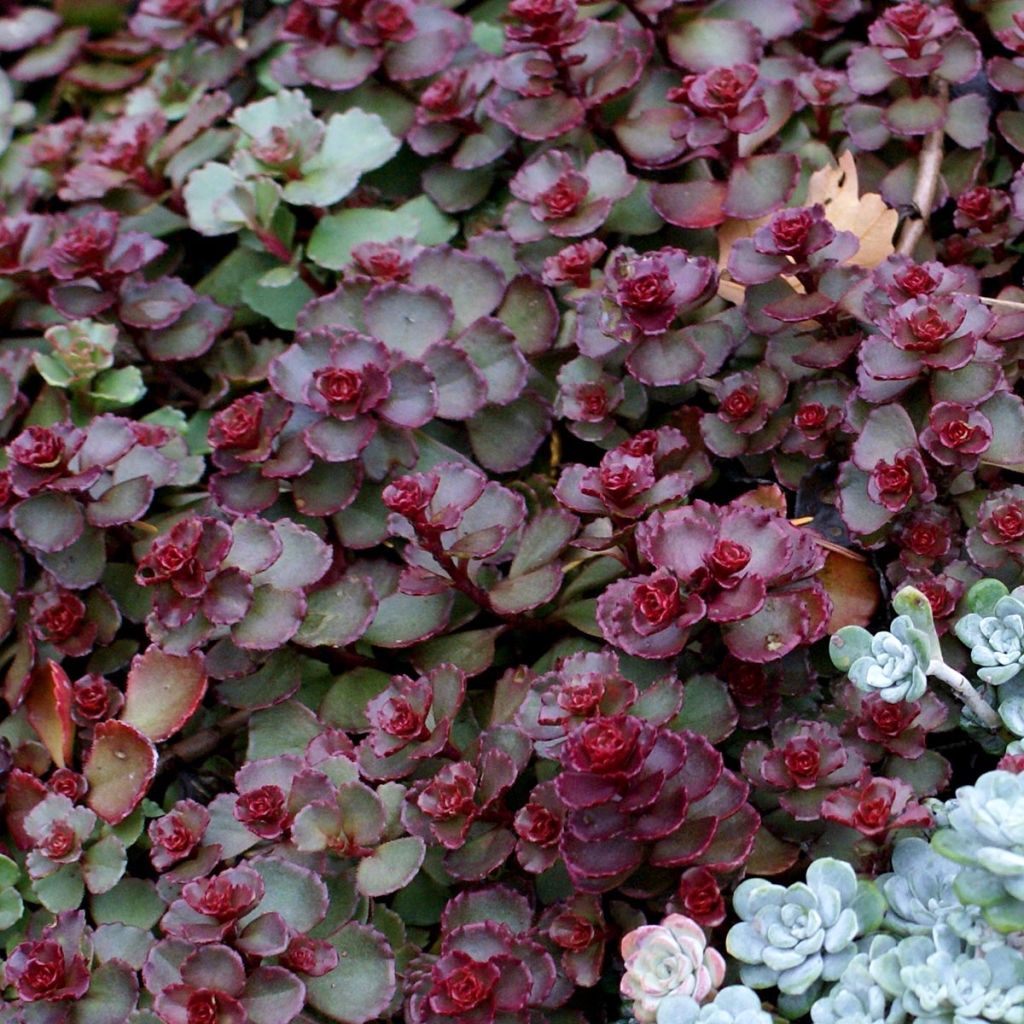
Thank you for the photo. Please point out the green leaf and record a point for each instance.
(344, 707)
(869, 906)
(974, 885)
(52, 370)
(355, 142)
(11, 908)
(391, 866)
(335, 236)
(103, 864)
(404, 619)
(219, 201)
(118, 388)
(133, 901)
(113, 993)
(292, 891)
(849, 644)
(1005, 917)
(337, 615)
(361, 987)
(63, 890)
(10, 873)
(163, 691)
(279, 304)
(284, 729)
(984, 595)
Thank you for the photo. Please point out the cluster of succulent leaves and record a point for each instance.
(437, 442)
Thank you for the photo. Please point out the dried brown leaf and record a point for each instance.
(838, 190)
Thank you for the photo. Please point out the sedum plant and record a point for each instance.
(436, 441)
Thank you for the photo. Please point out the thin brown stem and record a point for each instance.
(204, 742)
(929, 169)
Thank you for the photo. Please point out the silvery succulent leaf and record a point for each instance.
(919, 889)
(896, 666)
(793, 937)
(735, 1004)
(996, 641)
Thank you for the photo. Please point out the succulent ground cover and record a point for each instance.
(511, 512)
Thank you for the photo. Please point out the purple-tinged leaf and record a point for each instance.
(125, 502)
(760, 185)
(48, 522)
(403, 619)
(886, 431)
(163, 692)
(461, 389)
(408, 320)
(327, 487)
(701, 44)
(80, 565)
(255, 545)
(339, 67)
(119, 767)
(522, 593)
(304, 559)
(191, 335)
(492, 348)
(390, 867)
(339, 614)
(272, 620)
(505, 438)
(48, 706)
(528, 310)
(691, 204)
(51, 58)
(909, 116)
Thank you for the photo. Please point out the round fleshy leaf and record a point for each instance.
(404, 619)
(474, 285)
(272, 995)
(48, 706)
(273, 682)
(163, 692)
(255, 545)
(530, 313)
(701, 44)
(523, 593)
(362, 985)
(492, 348)
(760, 185)
(505, 438)
(132, 901)
(112, 996)
(119, 767)
(191, 335)
(48, 522)
(125, 502)
(461, 390)
(344, 705)
(272, 620)
(390, 867)
(339, 67)
(911, 115)
(292, 891)
(693, 204)
(770, 633)
(304, 559)
(103, 864)
(335, 237)
(339, 614)
(408, 320)
(327, 487)
(671, 358)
